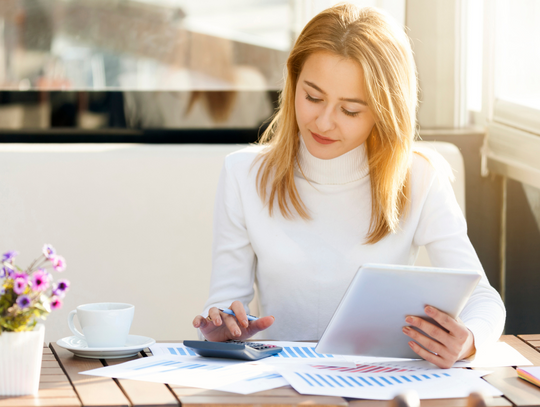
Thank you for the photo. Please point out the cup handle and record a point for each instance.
(72, 326)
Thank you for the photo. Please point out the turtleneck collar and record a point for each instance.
(349, 167)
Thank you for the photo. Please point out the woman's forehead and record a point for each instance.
(334, 75)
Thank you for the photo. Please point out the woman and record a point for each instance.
(333, 185)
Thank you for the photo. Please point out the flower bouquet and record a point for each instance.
(26, 296)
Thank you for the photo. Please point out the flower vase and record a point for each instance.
(20, 361)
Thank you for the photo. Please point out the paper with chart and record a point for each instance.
(494, 355)
(303, 352)
(218, 374)
(347, 382)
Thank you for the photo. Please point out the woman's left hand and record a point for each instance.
(453, 343)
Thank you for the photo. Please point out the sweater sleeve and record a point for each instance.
(233, 258)
(443, 230)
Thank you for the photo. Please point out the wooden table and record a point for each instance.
(62, 385)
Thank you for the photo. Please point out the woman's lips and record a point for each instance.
(320, 139)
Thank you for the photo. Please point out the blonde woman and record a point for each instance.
(335, 184)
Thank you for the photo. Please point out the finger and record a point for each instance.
(214, 315)
(432, 330)
(199, 321)
(260, 325)
(426, 342)
(232, 325)
(445, 320)
(240, 312)
(430, 357)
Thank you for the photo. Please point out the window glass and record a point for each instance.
(518, 52)
(143, 45)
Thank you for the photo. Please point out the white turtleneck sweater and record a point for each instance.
(302, 268)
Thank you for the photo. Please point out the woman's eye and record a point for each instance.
(352, 114)
(312, 99)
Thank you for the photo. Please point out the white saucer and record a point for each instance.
(79, 347)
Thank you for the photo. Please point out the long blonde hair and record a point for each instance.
(382, 49)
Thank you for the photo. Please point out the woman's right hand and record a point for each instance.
(220, 327)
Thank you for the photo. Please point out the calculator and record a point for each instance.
(233, 349)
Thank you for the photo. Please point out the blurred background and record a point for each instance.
(209, 72)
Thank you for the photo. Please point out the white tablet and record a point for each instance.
(371, 314)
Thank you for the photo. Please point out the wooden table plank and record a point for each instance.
(534, 337)
(144, 393)
(92, 390)
(522, 347)
(250, 400)
(534, 344)
(518, 391)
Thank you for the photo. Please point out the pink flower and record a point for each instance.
(48, 251)
(40, 280)
(17, 274)
(19, 285)
(56, 303)
(58, 263)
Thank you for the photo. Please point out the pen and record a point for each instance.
(230, 312)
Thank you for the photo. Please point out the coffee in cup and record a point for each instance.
(104, 325)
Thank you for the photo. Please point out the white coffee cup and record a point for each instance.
(104, 325)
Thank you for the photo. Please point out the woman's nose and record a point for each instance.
(325, 121)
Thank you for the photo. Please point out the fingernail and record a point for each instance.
(237, 333)
(246, 323)
(218, 321)
(406, 329)
(274, 317)
(409, 320)
(411, 344)
(430, 310)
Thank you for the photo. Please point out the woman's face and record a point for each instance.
(331, 108)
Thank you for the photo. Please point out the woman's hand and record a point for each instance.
(220, 327)
(453, 343)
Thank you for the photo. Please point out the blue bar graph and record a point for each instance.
(181, 351)
(299, 352)
(169, 366)
(337, 381)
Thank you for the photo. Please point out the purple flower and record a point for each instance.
(23, 301)
(58, 263)
(4, 272)
(40, 280)
(56, 303)
(61, 288)
(48, 251)
(9, 256)
(2, 290)
(17, 274)
(19, 285)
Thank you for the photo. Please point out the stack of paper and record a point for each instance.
(309, 372)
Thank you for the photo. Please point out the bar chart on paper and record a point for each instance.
(322, 380)
(300, 352)
(366, 368)
(225, 375)
(327, 380)
(304, 351)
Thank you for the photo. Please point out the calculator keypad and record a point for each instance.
(254, 345)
